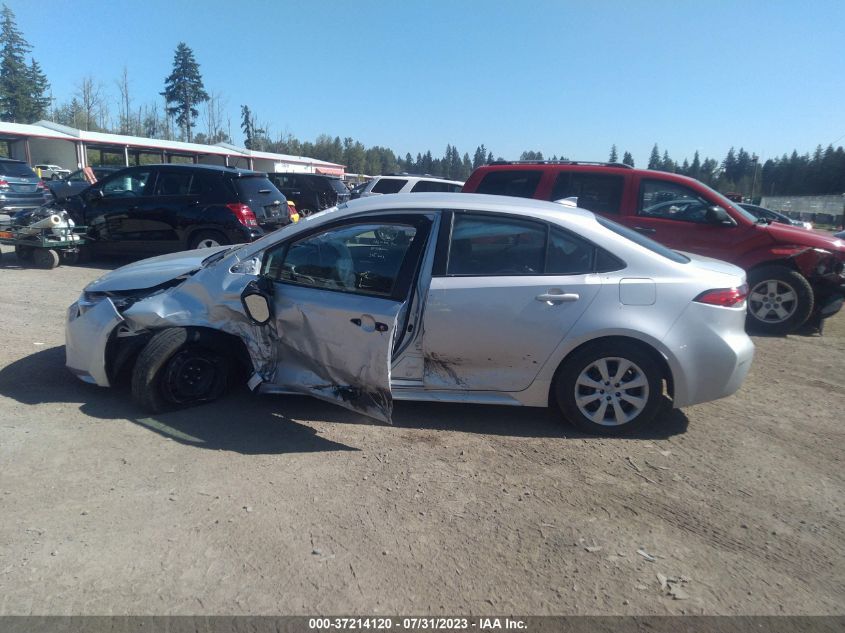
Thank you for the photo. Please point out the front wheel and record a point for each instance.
(780, 301)
(609, 388)
(178, 368)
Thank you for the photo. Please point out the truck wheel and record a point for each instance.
(178, 368)
(23, 253)
(45, 258)
(780, 300)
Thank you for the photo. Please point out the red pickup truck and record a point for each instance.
(795, 276)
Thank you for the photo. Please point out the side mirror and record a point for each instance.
(257, 302)
(717, 215)
(94, 193)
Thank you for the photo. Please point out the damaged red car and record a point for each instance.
(795, 276)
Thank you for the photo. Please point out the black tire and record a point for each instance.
(70, 257)
(45, 258)
(178, 368)
(780, 300)
(203, 239)
(23, 253)
(574, 397)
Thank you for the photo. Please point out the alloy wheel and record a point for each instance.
(773, 301)
(611, 391)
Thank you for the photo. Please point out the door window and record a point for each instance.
(173, 184)
(511, 182)
(126, 185)
(361, 258)
(436, 186)
(485, 245)
(671, 201)
(596, 192)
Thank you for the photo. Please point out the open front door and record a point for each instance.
(339, 294)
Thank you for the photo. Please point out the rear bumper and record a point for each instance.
(710, 353)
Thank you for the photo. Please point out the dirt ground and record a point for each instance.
(286, 505)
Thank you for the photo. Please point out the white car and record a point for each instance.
(51, 172)
(439, 297)
(406, 183)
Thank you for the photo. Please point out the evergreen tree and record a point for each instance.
(695, 167)
(479, 157)
(248, 126)
(627, 159)
(23, 89)
(666, 163)
(614, 156)
(184, 89)
(654, 159)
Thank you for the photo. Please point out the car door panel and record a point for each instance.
(335, 314)
(469, 324)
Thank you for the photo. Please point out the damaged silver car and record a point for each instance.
(438, 297)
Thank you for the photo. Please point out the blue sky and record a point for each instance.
(561, 77)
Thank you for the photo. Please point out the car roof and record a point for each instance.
(220, 169)
(417, 177)
(473, 201)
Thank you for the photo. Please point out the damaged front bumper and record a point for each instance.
(88, 328)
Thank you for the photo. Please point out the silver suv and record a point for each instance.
(20, 187)
(406, 183)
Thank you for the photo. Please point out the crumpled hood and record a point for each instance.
(152, 272)
(786, 234)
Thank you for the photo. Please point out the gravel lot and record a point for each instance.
(285, 505)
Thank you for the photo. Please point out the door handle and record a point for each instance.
(563, 297)
(377, 325)
(644, 229)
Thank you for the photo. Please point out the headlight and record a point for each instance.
(88, 300)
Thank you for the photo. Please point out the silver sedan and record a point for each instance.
(438, 297)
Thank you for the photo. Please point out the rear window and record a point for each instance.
(521, 183)
(337, 185)
(19, 170)
(642, 240)
(388, 185)
(257, 189)
(435, 185)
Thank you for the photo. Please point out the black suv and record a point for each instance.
(311, 192)
(166, 208)
(20, 187)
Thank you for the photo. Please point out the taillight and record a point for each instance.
(725, 297)
(41, 185)
(4, 184)
(243, 213)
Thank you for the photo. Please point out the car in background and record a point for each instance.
(51, 172)
(20, 187)
(167, 208)
(840, 235)
(310, 192)
(433, 297)
(75, 182)
(796, 276)
(406, 183)
(774, 216)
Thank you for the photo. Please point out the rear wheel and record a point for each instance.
(178, 368)
(24, 253)
(45, 258)
(305, 212)
(780, 300)
(609, 388)
(208, 239)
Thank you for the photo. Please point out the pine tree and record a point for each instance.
(479, 157)
(614, 156)
(248, 126)
(627, 159)
(23, 89)
(695, 167)
(654, 159)
(185, 89)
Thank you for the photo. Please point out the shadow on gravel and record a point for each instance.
(247, 423)
(242, 422)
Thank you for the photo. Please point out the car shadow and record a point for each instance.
(254, 424)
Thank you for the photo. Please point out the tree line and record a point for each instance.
(25, 97)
